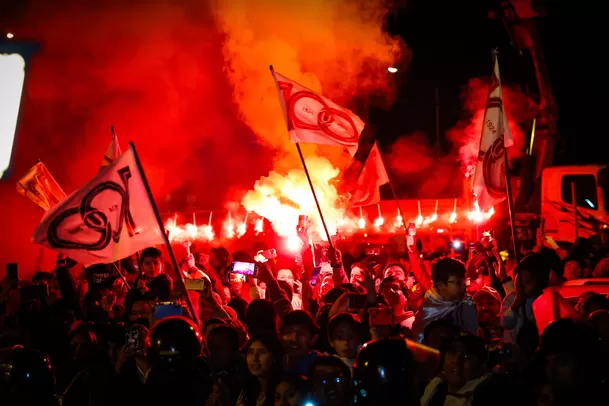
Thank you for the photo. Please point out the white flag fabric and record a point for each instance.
(313, 119)
(108, 219)
(489, 176)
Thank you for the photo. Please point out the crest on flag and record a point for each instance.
(39, 186)
(108, 219)
(313, 119)
(489, 177)
(372, 176)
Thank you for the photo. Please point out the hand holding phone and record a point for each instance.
(244, 268)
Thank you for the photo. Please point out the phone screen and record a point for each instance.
(244, 268)
(167, 310)
(315, 275)
(132, 339)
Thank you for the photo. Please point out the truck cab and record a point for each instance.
(589, 184)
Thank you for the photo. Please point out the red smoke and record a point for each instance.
(158, 73)
(155, 72)
(466, 134)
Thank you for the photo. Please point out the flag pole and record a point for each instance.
(304, 166)
(178, 274)
(508, 184)
(112, 131)
(321, 215)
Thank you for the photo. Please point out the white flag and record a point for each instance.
(113, 152)
(313, 119)
(489, 176)
(108, 219)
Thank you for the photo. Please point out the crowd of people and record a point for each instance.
(395, 328)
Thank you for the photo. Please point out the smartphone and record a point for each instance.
(132, 339)
(12, 271)
(167, 309)
(472, 246)
(303, 222)
(244, 268)
(194, 284)
(412, 231)
(315, 275)
(34, 292)
(264, 256)
(380, 316)
(357, 301)
(237, 277)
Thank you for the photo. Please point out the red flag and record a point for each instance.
(313, 119)
(372, 176)
(113, 152)
(108, 219)
(39, 186)
(489, 177)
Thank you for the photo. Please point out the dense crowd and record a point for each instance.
(402, 327)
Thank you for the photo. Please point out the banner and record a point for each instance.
(372, 176)
(108, 219)
(313, 119)
(489, 177)
(39, 186)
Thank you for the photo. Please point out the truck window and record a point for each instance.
(585, 189)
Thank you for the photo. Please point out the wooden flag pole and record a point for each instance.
(112, 131)
(174, 262)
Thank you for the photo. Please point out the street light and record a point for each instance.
(13, 63)
(9, 35)
(391, 69)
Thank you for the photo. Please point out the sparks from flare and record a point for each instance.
(281, 198)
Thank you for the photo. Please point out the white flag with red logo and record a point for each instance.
(489, 177)
(313, 119)
(113, 152)
(108, 219)
(372, 176)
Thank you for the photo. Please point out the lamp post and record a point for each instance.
(14, 59)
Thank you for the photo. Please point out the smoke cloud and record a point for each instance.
(466, 134)
(337, 48)
(158, 73)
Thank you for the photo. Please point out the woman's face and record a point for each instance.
(152, 267)
(259, 359)
(287, 276)
(396, 272)
(287, 395)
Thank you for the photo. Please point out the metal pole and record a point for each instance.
(321, 215)
(574, 201)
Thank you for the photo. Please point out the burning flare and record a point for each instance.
(281, 199)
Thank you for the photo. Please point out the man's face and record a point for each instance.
(460, 367)
(297, 340)
(152, 267)
(488, 309)
(287, 276)
(396, 272)
(357, 276)
(453, 289)
(330, 385)
(326, 285)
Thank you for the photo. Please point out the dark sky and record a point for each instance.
(451, 43)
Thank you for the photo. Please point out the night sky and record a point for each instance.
(451, 43)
